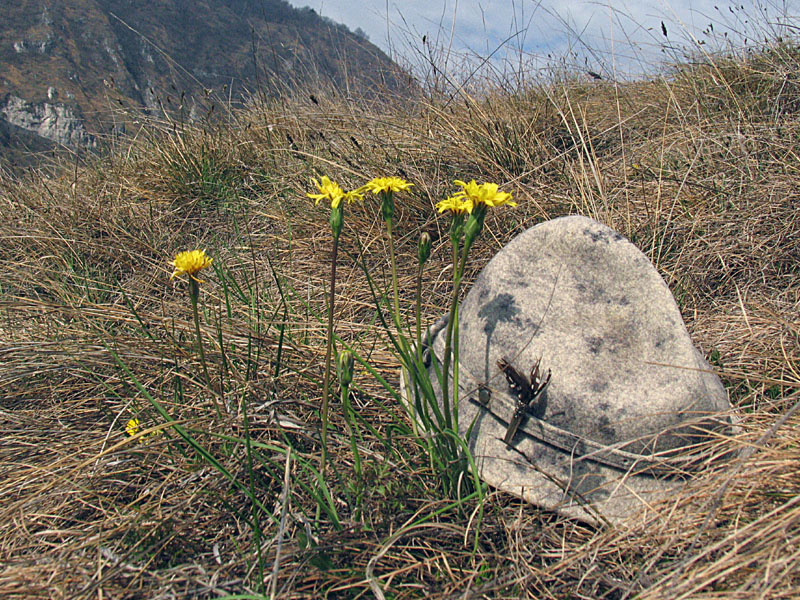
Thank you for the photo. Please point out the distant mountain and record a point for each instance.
(65, 64)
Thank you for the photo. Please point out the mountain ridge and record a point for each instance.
(68, 64)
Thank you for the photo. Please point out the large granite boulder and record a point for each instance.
(629, 395)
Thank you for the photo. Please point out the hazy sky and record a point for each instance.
(632, 28)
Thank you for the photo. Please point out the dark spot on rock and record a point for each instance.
(595, 343)
(598, 387)
(565, 417)
(589, 291)
(624, 301)
(516, 276)
(604, 428)
(597, 236)
(529, 324)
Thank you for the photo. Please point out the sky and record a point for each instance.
(602, 36)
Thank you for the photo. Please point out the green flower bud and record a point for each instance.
(387, 206)
(456, 228)
(474, 225)
(337, 219)
(424, 248)
(344, 364)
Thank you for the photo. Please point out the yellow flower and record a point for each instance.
(459, 205)
(190, 263)
(132, 428)
(386, 184)
(353, 195)
(484, 193)
(330, 190)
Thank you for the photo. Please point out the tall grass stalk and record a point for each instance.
(256, 519)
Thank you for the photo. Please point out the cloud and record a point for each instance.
(625, 32)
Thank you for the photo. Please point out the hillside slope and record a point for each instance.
(67, 65)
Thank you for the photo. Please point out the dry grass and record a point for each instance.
(699, 169)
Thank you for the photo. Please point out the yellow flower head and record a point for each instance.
(387, 184)
(132, 428)
(190, 263)
(330, 190)
(484, 193)
(353, 195)
(458, 205)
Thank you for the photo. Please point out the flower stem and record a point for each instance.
(402, 340)
(395, 294)
(448, 344)
(194, 294)
(423, 253)
(328, 354)
(351, 426)
(416, 362)
(418, 311)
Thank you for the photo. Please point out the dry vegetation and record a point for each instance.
(699, 168)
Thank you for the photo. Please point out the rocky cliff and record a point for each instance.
(55, 122)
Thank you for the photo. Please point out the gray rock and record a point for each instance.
(628, 393)
(55, 122)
